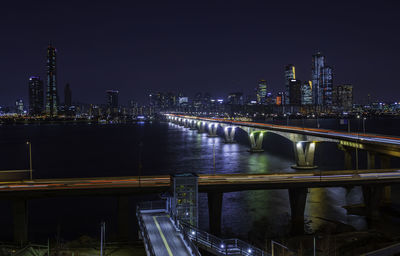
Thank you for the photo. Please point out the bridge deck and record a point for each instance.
(163, 236)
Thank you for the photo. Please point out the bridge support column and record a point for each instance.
(124, 217)
(304, 155)
(192, 125)
(20, 216)
(372, 199)
(212, 130)
(229, 134)
(215, 212)
(256, 140)
(371, 160)
(387, 190)
(201, 127)
(297, 199)
(348, 160)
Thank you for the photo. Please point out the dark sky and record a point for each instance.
(189, 46)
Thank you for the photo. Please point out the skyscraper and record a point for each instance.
(36, 101)
(67, 96)
(51, 91)
(261, 91)
(295, 92)
(343, 97)
(306, 93)
(318, 63)
(19, 107)
(290, 74)
(112, 98)
(322, 80)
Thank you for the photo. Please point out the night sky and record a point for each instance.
(190, 46)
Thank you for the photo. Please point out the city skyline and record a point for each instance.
(138, 63)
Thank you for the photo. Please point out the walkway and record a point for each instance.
(163, 236)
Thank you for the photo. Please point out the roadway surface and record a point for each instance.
(163, 236)
(206, 183)
(391, 142)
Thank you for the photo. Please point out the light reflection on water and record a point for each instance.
(265, 211)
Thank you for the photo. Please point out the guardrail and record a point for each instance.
(217, 245)
(144, 233)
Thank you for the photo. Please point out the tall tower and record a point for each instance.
(261, 91)
(318, 63)
(290, 74)
(67, 96)
(51, 90)
(327, 84)
(35, 96)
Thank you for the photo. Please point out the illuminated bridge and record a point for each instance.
(304, 139)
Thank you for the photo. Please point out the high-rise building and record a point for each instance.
(342, 97)
(67, 96)
(19, 107)
(327, 84)
(322, 80)
(295, 92)
(290, 74)
(261, 92)
(235, 98)
(36, 101)
(112, 98)
(306, 93)
(51, 90)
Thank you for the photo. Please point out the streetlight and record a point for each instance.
(30, 158)
(364, 118)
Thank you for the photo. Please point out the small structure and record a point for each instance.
(183, 205)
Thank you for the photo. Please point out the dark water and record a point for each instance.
(109, 150)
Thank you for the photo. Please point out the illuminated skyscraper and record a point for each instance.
(51, 92)
(343, 97)
(306, 93)
(322, 80)
(261, 91)
(36, 101)
(290, 74)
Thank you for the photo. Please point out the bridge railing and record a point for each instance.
(144, 233)
(152, 206)
(217, 245)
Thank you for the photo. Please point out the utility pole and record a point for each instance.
(30, 158)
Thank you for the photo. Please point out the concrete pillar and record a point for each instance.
(192, 125)
(212, 130)
(124, 218)
(201, 127)
(387, 190)
(229, 132)
(256, 140)
(371, 160)
(372, 199)
(304, 155)
(20, 219)
(215, 212)
(297, 199)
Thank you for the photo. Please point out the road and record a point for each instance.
(163, 236)
(219, 182)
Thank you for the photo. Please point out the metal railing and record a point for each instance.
(217, 245)
(152, 206)
(144, 233)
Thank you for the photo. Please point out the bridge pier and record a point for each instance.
(256, 140)
(215, 212)
(20, 220)
(212, 130)
(229, 132)
(304, 155)
(124, 217)
(372, 199)
(192, 125)
(201, 127)
(297, 199)
(371, 160)
(387, 190)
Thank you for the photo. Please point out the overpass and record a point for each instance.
(372, 182)
(304, 139)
